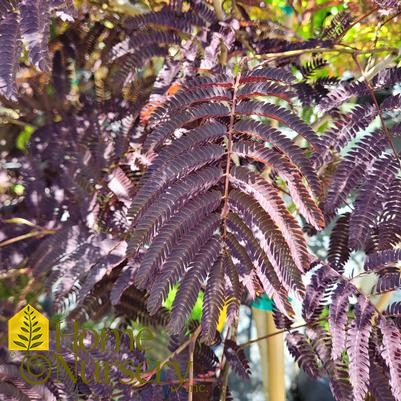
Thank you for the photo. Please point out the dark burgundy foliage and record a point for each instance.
(237, 359)
(202, 173)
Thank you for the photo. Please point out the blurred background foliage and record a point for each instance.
(295, 21)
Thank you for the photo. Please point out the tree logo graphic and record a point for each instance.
(28, 330)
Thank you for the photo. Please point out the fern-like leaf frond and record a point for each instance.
(35, 20)
(357, 347)
(11, 44)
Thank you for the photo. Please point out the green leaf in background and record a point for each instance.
(196, 313)
(23, 137)
(18, 189)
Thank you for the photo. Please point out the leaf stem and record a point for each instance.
(231, 334)
(335, 49)
(30, 332)
(250, 342)
(39, 233)
(183, 346)
(372, 95)
(226, 208)
(218, 8)
(192, 343)
(357, 21)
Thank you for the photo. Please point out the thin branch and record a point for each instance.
(20, 123)
(31, 234)
(384, 292)
(23, 296)
(377, 32)
(372, 95)
(191, 364)
(225, 208)
(181, 348)
(13, 273)
(21, 220)
(335, 49)
(231, 334)
(218, 8)
(357, 21)
(341, 277)
(250, 342)
(196, 380)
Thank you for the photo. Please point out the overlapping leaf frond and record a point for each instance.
(339, 24)
(163, 159)
(199, 202)
(352, 168)
(339, 251)
(27, 20)
(237, 359)
(366, 175)
(65, 384)
(301, 350)
(10, 41)
(365, 183)
(353, 344)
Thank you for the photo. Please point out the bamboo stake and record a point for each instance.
(272, 356)
(276, 362)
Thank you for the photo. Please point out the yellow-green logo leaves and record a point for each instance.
(28, 330)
